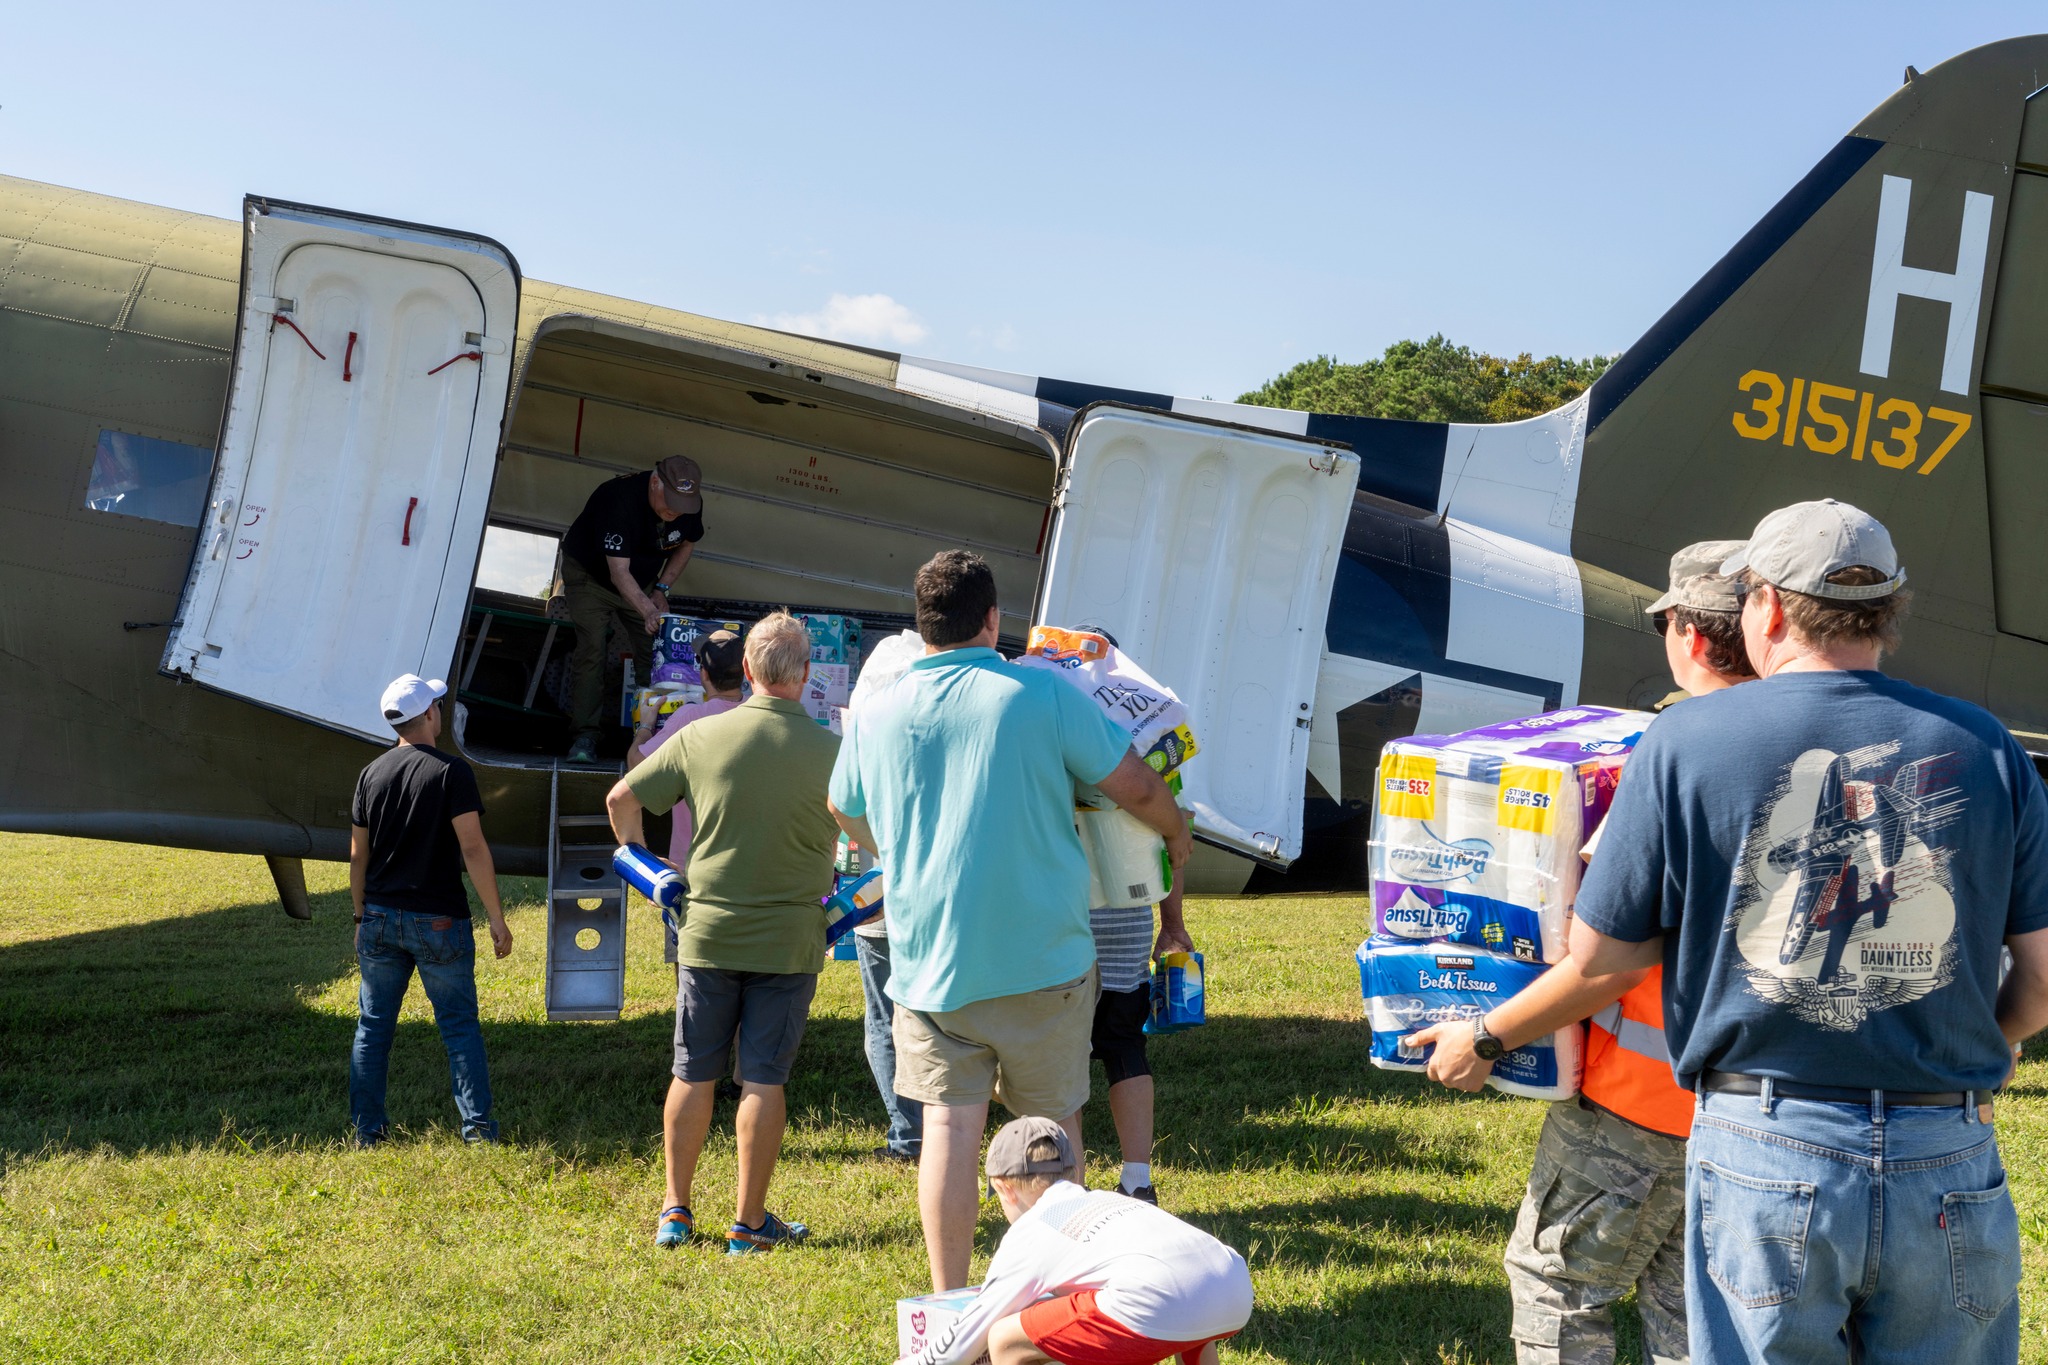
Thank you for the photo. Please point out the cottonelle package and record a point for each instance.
(675, 655)
(1476, 837)
(1409, 986)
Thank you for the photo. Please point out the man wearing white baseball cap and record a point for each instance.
(1827, 863)
(414, 825)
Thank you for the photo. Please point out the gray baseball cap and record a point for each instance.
(1009, 1151)
(1797, 547)
(1697, 580)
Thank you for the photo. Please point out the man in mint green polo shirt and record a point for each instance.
(753, 934)
(960, 776)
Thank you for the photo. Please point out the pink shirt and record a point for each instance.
(685, 823)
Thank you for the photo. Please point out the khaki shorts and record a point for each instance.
(1030, 1051)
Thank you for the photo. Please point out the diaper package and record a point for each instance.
(1476, 837)
(930, 1317)
(1408, 986)
(834, 639)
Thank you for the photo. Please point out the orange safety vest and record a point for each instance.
(1628, 1066)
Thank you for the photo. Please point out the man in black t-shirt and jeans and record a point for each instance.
(635, 529)
(414, 826)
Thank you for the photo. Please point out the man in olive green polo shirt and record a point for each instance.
(753, 935)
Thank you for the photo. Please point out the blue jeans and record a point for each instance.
(389, 945)
(1819, 1232)
(906, 1117)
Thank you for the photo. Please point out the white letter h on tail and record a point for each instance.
(1891, 277)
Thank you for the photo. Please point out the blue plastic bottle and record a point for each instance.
(858, 900)
(649, 875)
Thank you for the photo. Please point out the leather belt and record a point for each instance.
(1733, 1083)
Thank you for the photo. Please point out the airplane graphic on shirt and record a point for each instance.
(1845, 905)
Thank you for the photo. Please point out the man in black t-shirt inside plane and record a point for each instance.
(635, 529)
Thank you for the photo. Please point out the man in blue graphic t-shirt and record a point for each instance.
(1827, 863)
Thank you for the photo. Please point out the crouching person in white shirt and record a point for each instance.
(1129, 1282)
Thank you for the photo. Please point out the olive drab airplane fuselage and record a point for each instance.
(247, 469)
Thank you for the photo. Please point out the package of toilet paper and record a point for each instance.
(1408, 986)
(1476, 836)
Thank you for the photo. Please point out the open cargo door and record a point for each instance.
(354, 464)
(1208, 552)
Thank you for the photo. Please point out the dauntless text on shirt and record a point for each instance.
(618, 523)
(1156, 1275)
(1834, 860)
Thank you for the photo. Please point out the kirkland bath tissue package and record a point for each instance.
(1408, 986)
(1476, 837)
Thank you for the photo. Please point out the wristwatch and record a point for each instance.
(1485, 1046)
(661, 588)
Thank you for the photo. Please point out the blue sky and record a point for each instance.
(1184, 198)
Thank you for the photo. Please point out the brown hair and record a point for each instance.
(955, 589)
(1822, 621)
(1722, 630)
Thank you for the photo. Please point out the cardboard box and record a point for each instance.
(928, 1317)
(827, 690)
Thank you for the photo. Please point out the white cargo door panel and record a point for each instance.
(354, 465)
(1208, 552)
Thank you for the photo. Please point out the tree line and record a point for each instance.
(1432, 381)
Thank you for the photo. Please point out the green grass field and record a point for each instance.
(174, 1184)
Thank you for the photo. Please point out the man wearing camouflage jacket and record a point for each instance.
(1605, 1210)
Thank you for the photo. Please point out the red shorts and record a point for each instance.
(1072, 1330)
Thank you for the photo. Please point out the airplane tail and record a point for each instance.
(1880, 336)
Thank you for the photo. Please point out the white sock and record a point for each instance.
(1137, 1175)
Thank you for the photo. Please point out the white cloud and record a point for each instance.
(868, 319)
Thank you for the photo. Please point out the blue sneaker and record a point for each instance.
(675, 1228)
(773, 1232)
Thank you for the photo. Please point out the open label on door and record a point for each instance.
(355, 459)
(1208, 552)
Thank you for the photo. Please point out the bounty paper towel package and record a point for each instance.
(1410, 985)
(928, 1317)
(1475, 837)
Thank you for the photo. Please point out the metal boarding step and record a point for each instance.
(586, 976)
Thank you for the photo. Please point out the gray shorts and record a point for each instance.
(765, 1011)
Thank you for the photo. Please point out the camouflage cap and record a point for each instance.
(1697, 580)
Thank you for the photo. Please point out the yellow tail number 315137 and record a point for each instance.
(1818, 415)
